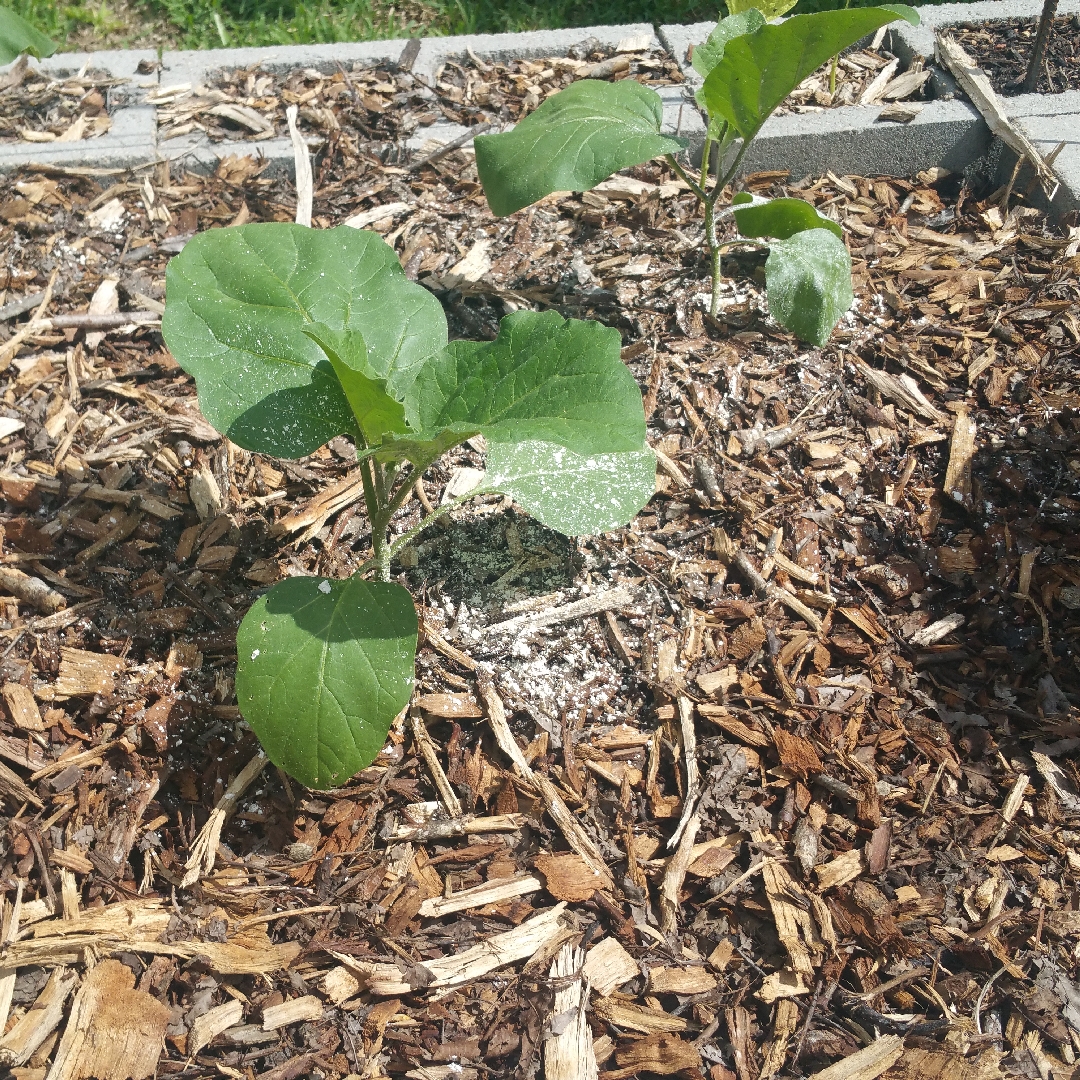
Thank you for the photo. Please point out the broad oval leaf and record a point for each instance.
(237, 302)
(17, 36)
(577, 494)
(574, 140)
(808, 282)
(711, 51)
(759, 70)
(780, 218)
(323, 667)
(561, 413)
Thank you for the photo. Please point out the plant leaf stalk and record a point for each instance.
(708, 198)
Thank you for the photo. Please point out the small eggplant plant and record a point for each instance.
(582, 135)
(295, 336)
(18, 37)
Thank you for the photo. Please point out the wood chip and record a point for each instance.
(294, 1011)
(40, 1020)
(491, 892)
(865, 1064)
(22, 707)
(114, 1032)
(497, 951)
(679, 980)
(206, 1028)
(568, 1050)
(961, 451)
(608, 966)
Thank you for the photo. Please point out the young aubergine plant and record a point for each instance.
(17, 36)
(581, 135)
(295, 336)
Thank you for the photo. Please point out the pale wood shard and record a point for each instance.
(681, 980)
(127, 920)
(204, 851)
(920, 1064)
(437, 828)
(12, 786)
(294, 1011)
(40, 1020)
(579, 609)
(568, 1051)
(314, 514)
(675, 875)
(114, 1032)
(22, 707)
(206, 1028)
(431, 759)
(688, 739)
(576, 836)
(339, 984)
(841, 870)
(976, 85)
(32, 590)
(780, 985)
(902, 389)
(621, 1011)
(305, 186)
(785, 1025)
(608, 965)
(69, 894)
(961, 451)
(491, 892)
(497, 951)
(794, 924)
(144, 500)
(865, 1064)
(84, 674)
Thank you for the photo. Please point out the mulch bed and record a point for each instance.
(1003, 50)
(386, 104)
(39, 109)
(884, 727)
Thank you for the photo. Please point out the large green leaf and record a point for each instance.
(561, 413)
(237, 302)
(17, 36)
(779, 217)
(579, 495)
(574, 140)
(711, 51)
(808, 282)
(759, 70)
(375, 410)
(323, 667)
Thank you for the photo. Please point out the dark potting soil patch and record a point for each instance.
(1003, 50)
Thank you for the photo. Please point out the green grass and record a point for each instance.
(209, 24)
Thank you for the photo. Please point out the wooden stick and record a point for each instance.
(568, 1050)
(675, 875)
(305, 185)
(977, 86)
(431, 759)
(578, 839)
(31, 589)
(688, 738)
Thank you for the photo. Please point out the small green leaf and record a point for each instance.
(780, 218)
(808, 282)
(237, 302)
(561, 413)
(375, 410)
(759, 70)
(17, 36)
(579, 495)
(770, 9)
(323, 667)
(574, 140)
(711, 51)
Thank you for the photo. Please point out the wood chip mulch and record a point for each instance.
(790, 760)
(1002, 48)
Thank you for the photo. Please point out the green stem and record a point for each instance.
(378, 526)
(680, 172)
(714, 254)
(706, 150)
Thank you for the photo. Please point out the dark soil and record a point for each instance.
(1003, 50)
